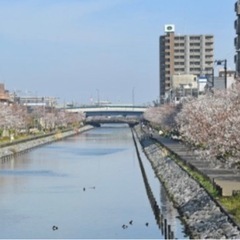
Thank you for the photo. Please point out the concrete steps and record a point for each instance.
(227, 179)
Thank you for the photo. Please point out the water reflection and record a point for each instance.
(89, 186)
(45, 173)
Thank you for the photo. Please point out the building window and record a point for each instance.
(195, 38)
(192, 50)
(177, 38)
(194, 44)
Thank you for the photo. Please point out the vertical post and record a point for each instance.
(169, 232)
(97, 96)
(238, 64)
(225, 73)
(133, 97)
(213, 76)
(165, 228)
(162, 224)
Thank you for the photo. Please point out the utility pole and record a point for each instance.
(213, 77)
(133, 97)
(98, 100)
(225, 73)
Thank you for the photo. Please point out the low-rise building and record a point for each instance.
(181, 80)
(4, 94)
(33, 102)
(230, 78)
(202, 84)
(183, 85)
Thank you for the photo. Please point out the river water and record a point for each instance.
(88, 186)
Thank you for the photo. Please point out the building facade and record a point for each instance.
(183, 54)
(219, 81)
(4, 94)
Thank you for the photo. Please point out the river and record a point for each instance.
(86, 186)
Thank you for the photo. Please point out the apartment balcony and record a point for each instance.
(209, 44)
(195, 40)
(195, 50)
(166, 51)
(195, 55)
(208, 49)
(180, 39)
(237, 26)
(179, 70)
(209, 52)
(209, 56)
(194, 65)
(209, 39)
(179, 61)
(179, 48)
(237, 42)
(237, 8)
(209, 62)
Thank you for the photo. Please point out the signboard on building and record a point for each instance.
(169, 28)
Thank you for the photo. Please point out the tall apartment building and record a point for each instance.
(183, 54)
(237, 38)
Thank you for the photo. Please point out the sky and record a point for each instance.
(82, 51)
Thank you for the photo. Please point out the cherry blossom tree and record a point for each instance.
(163, 117)
(212, 124)
(12, 116)
(15, 117)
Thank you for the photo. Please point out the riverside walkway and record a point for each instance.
(227, 179)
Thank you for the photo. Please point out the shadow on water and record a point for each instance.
(160, 220)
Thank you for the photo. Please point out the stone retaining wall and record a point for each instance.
(12, 150)
(202, 215)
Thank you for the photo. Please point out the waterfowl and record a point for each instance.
(54, 228)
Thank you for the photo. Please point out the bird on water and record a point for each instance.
(54, 228)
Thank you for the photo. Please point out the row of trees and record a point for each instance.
(210, 123)
(17, 118)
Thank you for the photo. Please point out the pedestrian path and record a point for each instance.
(227, 179)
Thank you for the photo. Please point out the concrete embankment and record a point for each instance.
(13, 149)
(202, 215)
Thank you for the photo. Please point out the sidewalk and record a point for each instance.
(227, 179)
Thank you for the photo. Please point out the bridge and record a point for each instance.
(110, 113)
(109, 110)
